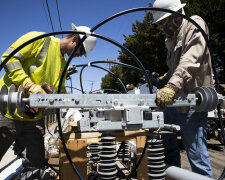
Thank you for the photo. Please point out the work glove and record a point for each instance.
(31, 88)
(165, 95)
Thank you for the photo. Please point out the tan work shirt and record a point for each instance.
(188, 57)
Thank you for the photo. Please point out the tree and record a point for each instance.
(213, 14)
(147, 43)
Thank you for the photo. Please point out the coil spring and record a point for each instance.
(107, 164)
(156, 165)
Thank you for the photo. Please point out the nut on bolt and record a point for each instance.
(77, 101)
(51, 101)
(115, 103)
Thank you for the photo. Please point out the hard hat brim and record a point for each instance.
(168, 14)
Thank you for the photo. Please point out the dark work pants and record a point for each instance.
(29, 139)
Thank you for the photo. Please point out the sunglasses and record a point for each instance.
(162, 22)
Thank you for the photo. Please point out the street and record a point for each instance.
(217, 158)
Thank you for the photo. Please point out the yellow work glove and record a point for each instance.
(31, 88)
(165, 95)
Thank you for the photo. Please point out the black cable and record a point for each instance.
(52, 167)
(107, 90)
(59, 15)
(97, 62)
(222, 175)
(46, 14)
(58, 113)
(139, 161)
(73, 88)
(121, 145)
(185, 17)
(49, 15)
(114, 75)
(117, 44)
(63, 74)
(119, 63)
(48, 127)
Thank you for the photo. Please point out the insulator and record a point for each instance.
(107, 164)
(207, 99)
(11, 99)
(124, 152)
(94, 150)
(156, 165)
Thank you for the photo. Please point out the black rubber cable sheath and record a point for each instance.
(114, 75)
(145, 72)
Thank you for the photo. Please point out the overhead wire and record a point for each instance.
(115, 43)
(46, 16)
(49, 14)
(59, 16)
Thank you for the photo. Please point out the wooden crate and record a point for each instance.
(77, 146)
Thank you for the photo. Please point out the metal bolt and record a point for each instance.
(77, 101)
(189, 100)
(51, 101)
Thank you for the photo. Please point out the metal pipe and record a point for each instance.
(175, 173)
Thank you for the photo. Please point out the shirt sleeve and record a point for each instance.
(193, 50)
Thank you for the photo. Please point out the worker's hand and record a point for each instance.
(165, 95)
(31, 88)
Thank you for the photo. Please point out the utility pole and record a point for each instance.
(92, 82)
(109, 65)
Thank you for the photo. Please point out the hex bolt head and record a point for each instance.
(51, 101)
(77, 101)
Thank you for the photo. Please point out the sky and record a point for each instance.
(18, 17)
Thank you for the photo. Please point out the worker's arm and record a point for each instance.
(193, 51)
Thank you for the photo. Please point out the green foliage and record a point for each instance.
(110, 82)
(214, 15)
(147, 43)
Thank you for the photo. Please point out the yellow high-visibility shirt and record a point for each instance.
(39, 62)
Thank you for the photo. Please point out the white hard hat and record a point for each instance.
(173, 5)
(90, 42)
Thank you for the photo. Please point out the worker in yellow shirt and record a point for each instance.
(39, 62)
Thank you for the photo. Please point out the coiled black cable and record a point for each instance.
(113, 42)
(114, 75)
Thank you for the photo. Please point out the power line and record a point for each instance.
(59, 16)
(45, 14)
(49, 15)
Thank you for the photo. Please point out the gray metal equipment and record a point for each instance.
(109, 112)
(114, 112)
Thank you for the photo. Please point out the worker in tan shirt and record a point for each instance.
(189, 65)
